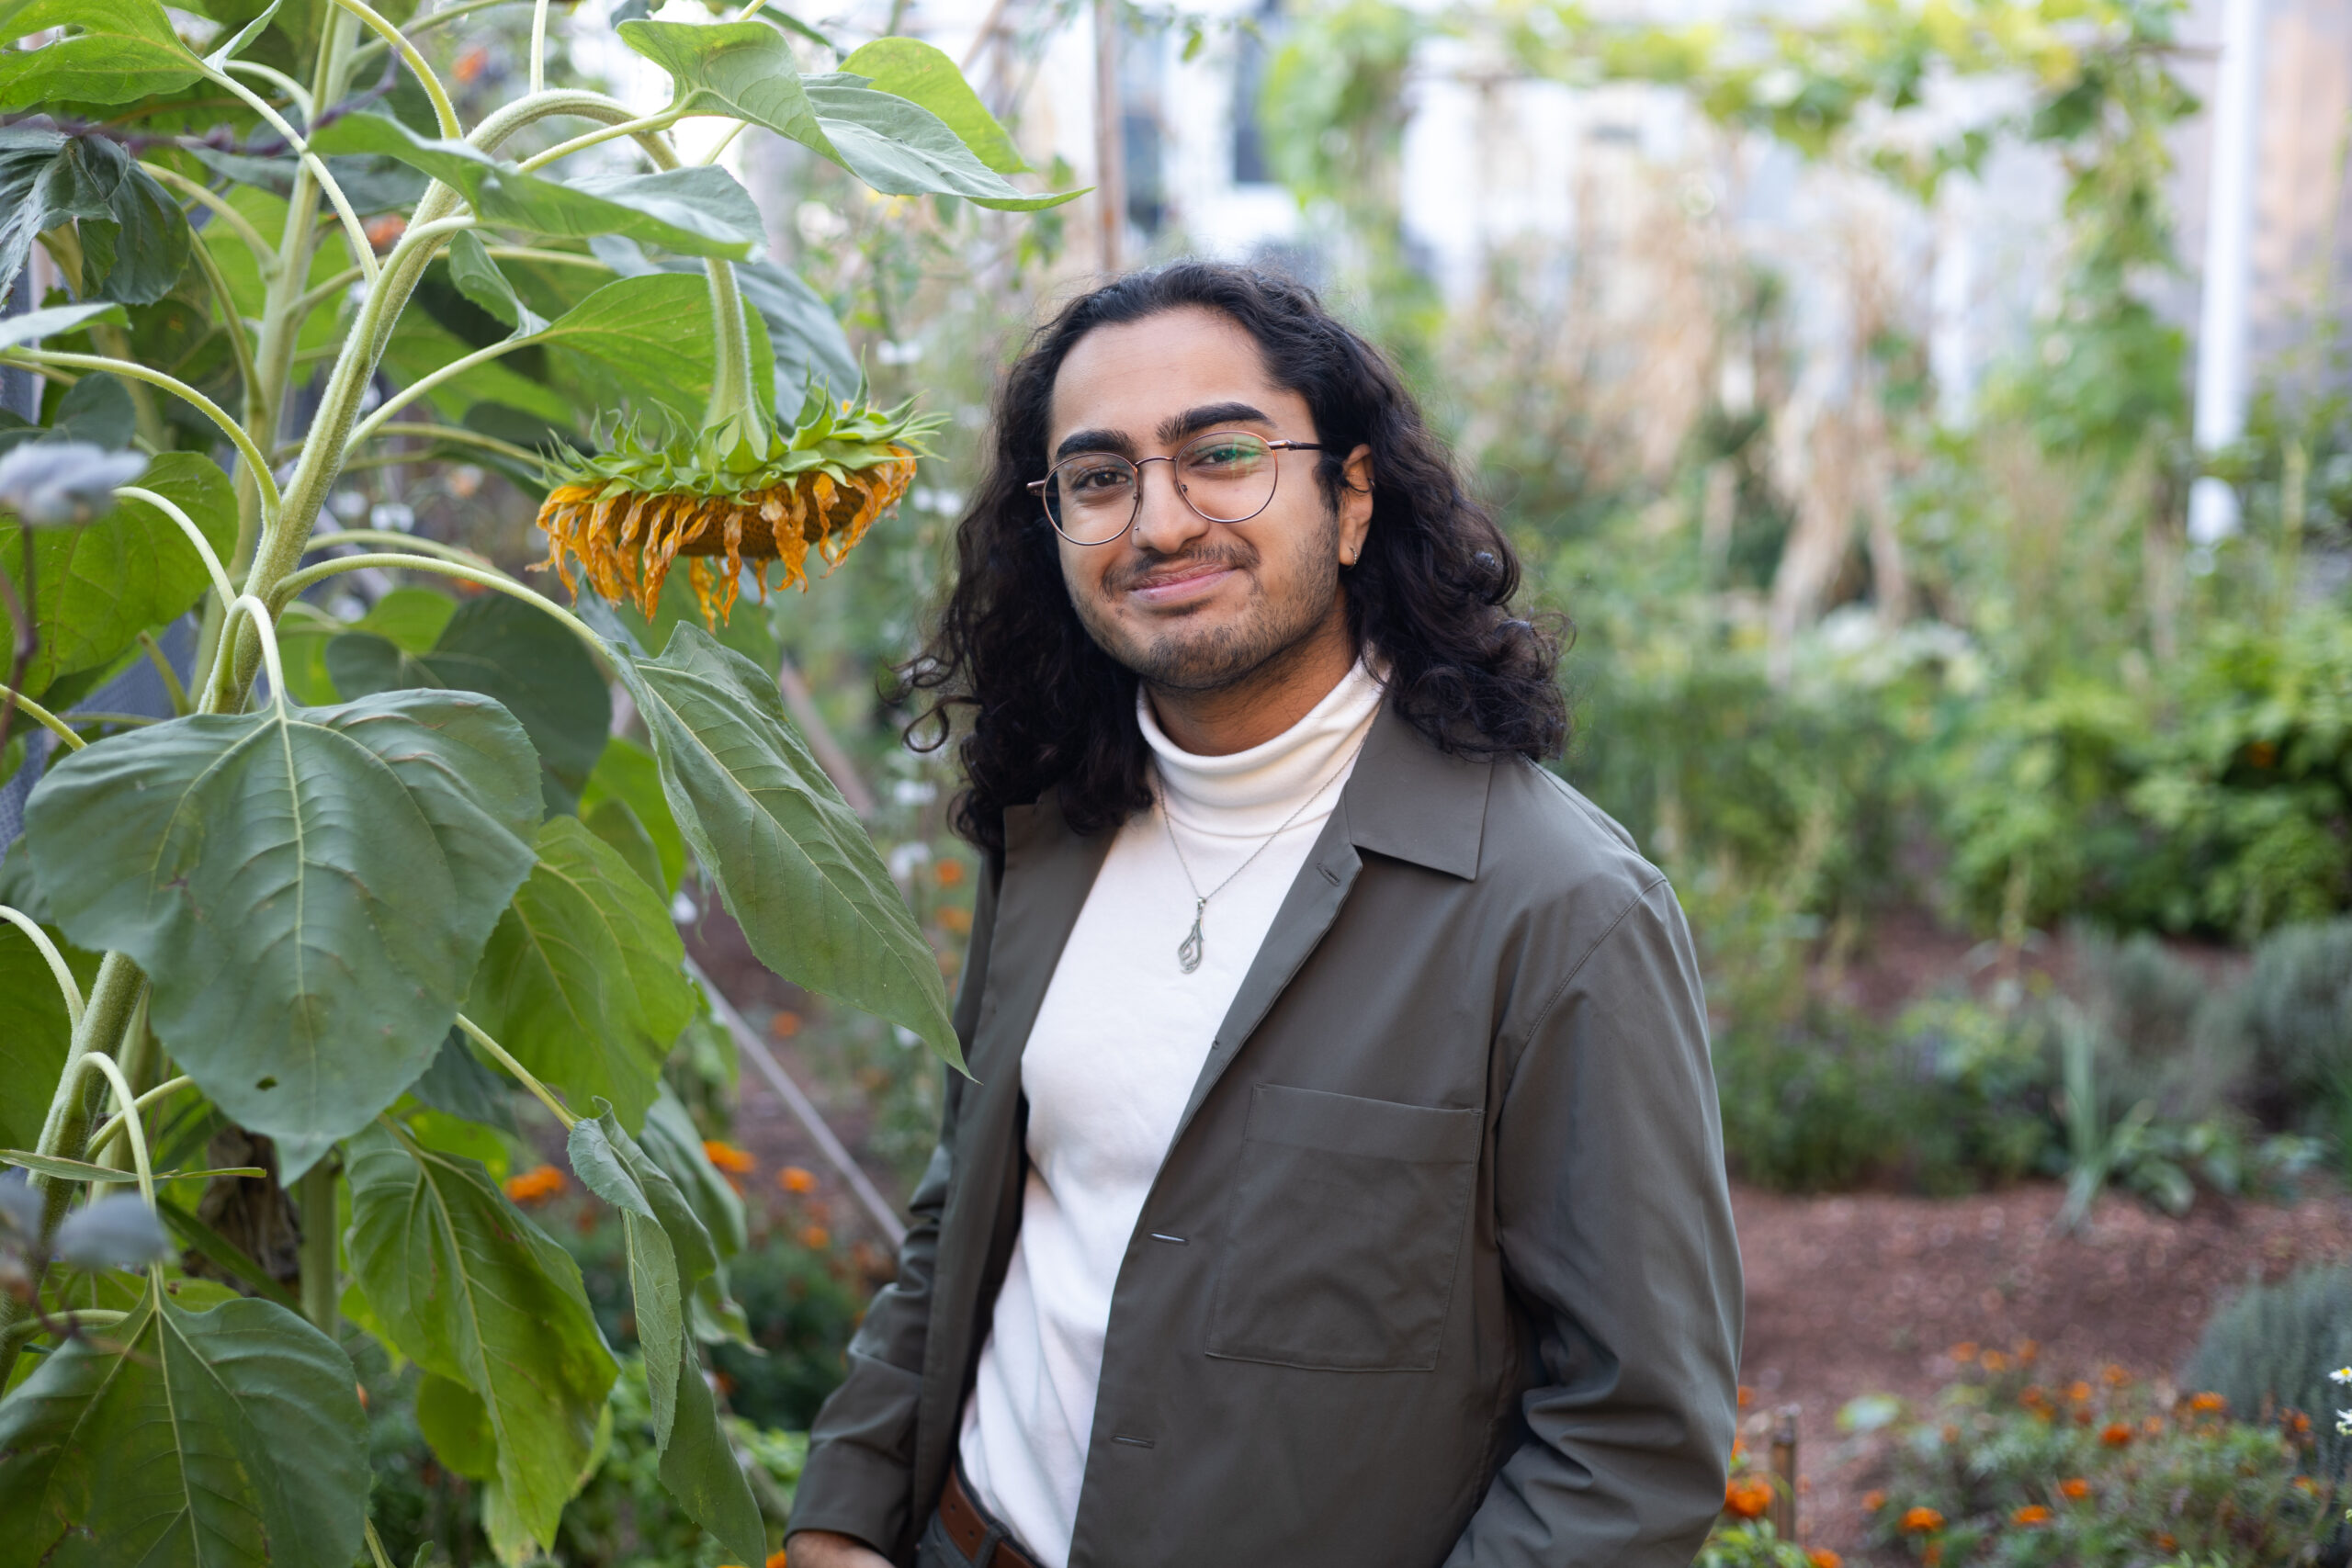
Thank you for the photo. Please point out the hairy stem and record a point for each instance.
(114, 997)
(321, 1291)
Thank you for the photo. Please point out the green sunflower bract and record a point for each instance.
(626, 514)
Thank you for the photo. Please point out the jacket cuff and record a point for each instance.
(854, 1492)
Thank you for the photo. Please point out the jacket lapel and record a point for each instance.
(1048, 870)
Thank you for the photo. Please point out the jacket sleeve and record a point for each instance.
(1615, 1226)
(860, 1472)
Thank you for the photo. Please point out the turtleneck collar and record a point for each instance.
(1252, 791)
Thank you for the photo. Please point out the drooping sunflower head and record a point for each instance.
(628, 512)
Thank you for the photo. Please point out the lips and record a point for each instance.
(1175, 581)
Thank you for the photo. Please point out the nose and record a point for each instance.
(1165, 523)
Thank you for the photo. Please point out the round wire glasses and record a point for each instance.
(1226, 476)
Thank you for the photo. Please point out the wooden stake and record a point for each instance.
(1110, 136)
(1784, 1511)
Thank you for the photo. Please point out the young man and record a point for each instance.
(1338, 1180)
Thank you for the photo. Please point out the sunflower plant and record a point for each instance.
(282, 958)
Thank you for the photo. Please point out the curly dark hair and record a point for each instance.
(1049, 709)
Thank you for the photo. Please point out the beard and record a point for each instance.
(1209, 657)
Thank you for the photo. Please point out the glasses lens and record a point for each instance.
(1091, 499)
(1228, 476)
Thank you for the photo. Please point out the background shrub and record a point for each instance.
(2271, 1349)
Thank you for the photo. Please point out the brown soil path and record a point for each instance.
(1865, 1293)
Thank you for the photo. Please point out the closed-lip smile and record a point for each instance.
(1178, 583)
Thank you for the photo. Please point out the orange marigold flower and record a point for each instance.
(1746, 1396)
(2115, 1375)
(2298, 1423)
(1921, 1521)
(2115, 1435)
(1874, 1501)
(950, 873)
(1822, 1557)
(2208, 1403)
(2079, 1392)
(955, 920)
(1964, 1351)
(2074, 1488)
(2153, 1426)
(796, 1179)
(535, 1185)
(384, 231)
(2164, 1541)
(1994, 1361)
(471, 64)
(1748, 1496)
(2032, 1396)
(816, 1238)
(2028, 1351)
(776, 1560)
(785, 1024)
(727, 1157)
(2032, 1514)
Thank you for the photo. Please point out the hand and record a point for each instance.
(823, 1549)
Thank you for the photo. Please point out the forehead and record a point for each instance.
(1130, 378)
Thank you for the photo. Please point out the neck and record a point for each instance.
(1264, 704)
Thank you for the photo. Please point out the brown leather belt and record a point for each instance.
(969, 1527)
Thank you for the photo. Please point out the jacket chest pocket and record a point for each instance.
(1343, 1232)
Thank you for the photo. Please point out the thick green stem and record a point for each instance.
(114, 999)
(321, 1291)
(738, 410)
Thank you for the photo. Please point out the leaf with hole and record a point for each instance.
(472, 1291)
(98, 585)
(700, 210)
(584, 980)
(346, 865)
(226, 1439)
(797, 870)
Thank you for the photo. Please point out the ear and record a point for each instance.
(1355, 505)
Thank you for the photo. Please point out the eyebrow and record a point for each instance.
(1173, 429)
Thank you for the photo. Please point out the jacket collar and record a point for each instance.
(1409, 801)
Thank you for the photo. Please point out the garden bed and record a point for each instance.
(1868, 1293)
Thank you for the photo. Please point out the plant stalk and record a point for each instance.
(321, 1290)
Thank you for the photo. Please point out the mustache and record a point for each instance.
(1235, 554)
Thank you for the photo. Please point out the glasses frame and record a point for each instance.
(1037, 487)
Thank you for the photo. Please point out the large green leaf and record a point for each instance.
(186, 1440)
(699, 211)
(134, 237)
(893, 144)
(651, 337)
(669, 1253)
(97, 587)
(584, 980)
(910, 68)
(34, 1029)
(371, 184)
(797, 870)
(120, 49)
(420, 345)
(627, 776)
(345, 864)
(471, 1290)
(519, 656)
(802, 328)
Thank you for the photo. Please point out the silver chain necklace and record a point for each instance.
(1188, 952)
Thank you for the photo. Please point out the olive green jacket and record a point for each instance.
(1440, 1267)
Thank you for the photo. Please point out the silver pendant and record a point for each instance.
(1187, 953)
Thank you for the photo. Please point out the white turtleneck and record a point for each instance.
(1119, 1042)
